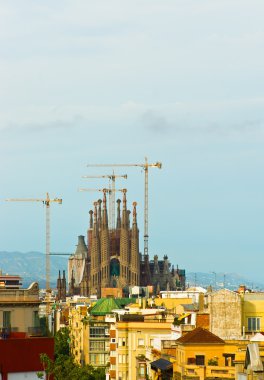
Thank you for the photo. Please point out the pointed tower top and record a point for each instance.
(81, 248)
(91, 218)
(118, 219)
(134, 212)
(105, 217)
(104, 199)
(125, 216)
(95, 212)
(124, 198)
(99, 214)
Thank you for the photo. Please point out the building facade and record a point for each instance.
(111, 258)
(19, 309)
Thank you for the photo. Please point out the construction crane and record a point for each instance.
(109, 191)
(145, 167)
(47, 201)
(112, 178)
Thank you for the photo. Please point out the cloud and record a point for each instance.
(155, 123)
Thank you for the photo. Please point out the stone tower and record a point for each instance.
(112, 255)
(111, 258)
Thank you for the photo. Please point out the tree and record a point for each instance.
(61, 342)
(64, 367)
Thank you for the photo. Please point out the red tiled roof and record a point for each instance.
(200, 335)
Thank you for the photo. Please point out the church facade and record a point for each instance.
(111, 258)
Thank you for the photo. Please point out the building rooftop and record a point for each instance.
(106, 305)
(200, 336)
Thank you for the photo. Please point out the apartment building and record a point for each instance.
(19, 308)
(131, 338)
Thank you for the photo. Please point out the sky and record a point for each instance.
(113, 81)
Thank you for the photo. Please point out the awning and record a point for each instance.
(162, 364)
(183, 316)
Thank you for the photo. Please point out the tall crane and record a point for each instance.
(47, 201)
(145, 167)
(112, 178)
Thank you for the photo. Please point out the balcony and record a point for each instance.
(202, 372)
(37, 331)
(6, 332)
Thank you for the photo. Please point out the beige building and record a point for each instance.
(19, 309)
(225, 309)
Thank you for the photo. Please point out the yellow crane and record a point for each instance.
(46, 201)
(145, 166)
(112, 181)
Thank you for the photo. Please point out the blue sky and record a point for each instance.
(178, 81)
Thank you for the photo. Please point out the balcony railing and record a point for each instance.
(5, 332)
(37, 331)
(208, 371)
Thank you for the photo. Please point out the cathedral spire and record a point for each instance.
(105, 217)
(124, 211)
(118, 219)
(99, 216)
(134, 213)
(59, 286)
(91, 218)
(95, 216)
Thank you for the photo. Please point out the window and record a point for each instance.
(253, 324)
(151, 342)
(6, 319)
(99, 359)
(122, 359)
(229, 360)
(36, 322)
(97, 345)
(199, 359)
(121, 342)
(141, 342)
(97, 332)
(141, 370)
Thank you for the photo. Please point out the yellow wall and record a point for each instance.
(173, 303)
(132, 332)
(212, 351)
(253, 306)
(78, 334)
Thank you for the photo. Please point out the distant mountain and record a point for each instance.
(222, 280)
(31, 266)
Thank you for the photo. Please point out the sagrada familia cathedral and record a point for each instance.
(111, 258)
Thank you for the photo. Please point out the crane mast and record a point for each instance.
(145, 167)
(112, 182)
(46, 202)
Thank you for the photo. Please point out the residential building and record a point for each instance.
(203, 355)
(225, 310)
(19, 309)
(131, 337)
(90, 330)
(252, 312)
